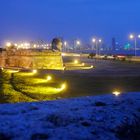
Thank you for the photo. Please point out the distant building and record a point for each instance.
(113, 44)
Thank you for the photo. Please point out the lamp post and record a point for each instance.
(135, 42)
(78, 43)
(100, 41)
(65, 45)
(96, 42)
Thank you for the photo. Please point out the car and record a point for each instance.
(91, 55)
(120, 57)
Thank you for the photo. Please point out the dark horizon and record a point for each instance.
(71, 19)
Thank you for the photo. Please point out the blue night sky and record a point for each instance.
(70, 19)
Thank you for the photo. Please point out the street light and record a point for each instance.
(135, 41)
(93, 40)
(100, 40)
(131, 36)
(78, 42)
(34, 45)
(65, 45)
(97, 41)
(16, 44)
(8, 44)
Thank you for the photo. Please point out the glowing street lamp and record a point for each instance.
(65, 45)
(78, 42)
(100, 40)
(96, 41)
(133, 37)
(8, 44)
(93, 40)
(34, 46)
(16, 45)
(22, 45)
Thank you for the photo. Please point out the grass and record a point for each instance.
(7, 93)
(27, 87)
(99, 81)
(35, 86)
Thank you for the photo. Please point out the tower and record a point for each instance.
(113, 44)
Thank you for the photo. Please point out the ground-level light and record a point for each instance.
(63, 86)
(64, 68)
(76, 61)
(49, 78)
(63, 54)
(83, 64)
(12, 71)
(34, 71)
(91, 66)
(116, 93)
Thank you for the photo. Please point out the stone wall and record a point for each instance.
(39, 59)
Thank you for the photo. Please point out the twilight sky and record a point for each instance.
(70, 19)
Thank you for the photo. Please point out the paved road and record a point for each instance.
(112, 68)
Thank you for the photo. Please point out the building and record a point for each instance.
(113, 44)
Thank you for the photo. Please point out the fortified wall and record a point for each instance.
(31, 59)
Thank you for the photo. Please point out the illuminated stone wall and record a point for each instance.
(39, 59)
